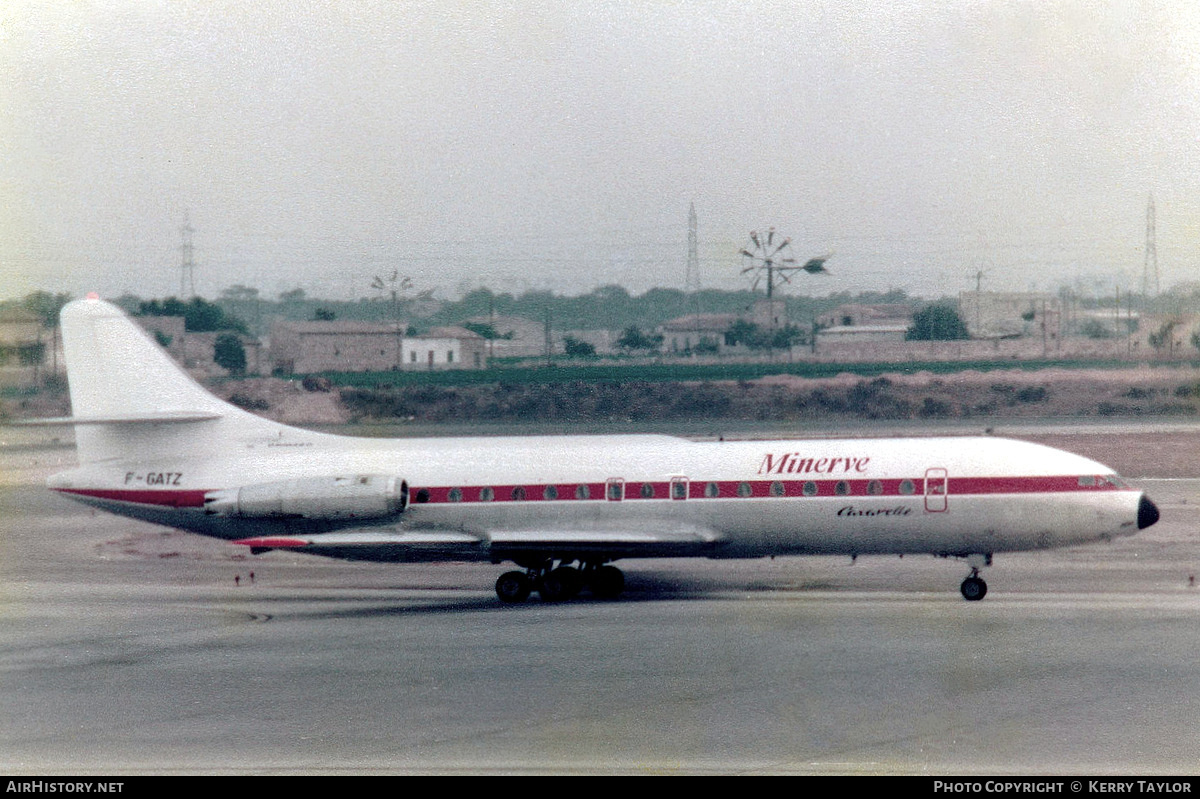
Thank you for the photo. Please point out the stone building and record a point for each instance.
(345, 346)
(516, 336)
(996, 314)
(686, 333)
(168, 331)
(334, 346)
(867, 315)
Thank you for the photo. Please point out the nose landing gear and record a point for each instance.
(974, 588)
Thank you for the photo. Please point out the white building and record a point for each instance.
(444, 348)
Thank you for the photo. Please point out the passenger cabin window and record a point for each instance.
(679, 488)
(777, 489)
(810, 489)
(582, 491)
(518, 493)
(842, 489)
(907, 487)
(486, 494)
(647, 491)
(422, 495)
(874, 488)
(455, 495)
(744, 490)
(551, 492)
(712, 490)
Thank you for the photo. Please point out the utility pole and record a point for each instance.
(1151, 253)
(692, 281)
(548, 340)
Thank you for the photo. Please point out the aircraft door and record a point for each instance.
(679, 488)
(937, 489)
(614, 489)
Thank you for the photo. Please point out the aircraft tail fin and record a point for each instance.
(127, 394)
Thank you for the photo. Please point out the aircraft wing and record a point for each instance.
(374, 544)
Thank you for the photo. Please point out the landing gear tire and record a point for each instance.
(973, 589)
(513, 587)
(607, 582)
(561, 584)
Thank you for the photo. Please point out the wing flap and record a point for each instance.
(599, 537)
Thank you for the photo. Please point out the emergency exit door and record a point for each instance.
(937, 490)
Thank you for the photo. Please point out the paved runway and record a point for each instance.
(128, 648)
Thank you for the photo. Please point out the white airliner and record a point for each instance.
(154, 445)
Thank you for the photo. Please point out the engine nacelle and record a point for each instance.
(359, 496)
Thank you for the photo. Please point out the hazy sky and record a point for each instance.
(557, 145)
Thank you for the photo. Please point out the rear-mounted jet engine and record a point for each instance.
(359, 496)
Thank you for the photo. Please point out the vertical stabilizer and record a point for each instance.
(116, 371)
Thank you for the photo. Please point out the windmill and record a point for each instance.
(770, 254)
(396, 286)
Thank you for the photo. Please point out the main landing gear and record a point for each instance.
(974, 588)
(560, 583)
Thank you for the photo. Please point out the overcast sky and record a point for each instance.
(558, 145)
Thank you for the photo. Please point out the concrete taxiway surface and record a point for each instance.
(125, 647)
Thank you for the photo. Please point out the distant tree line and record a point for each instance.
(199, 315)
(606, 307)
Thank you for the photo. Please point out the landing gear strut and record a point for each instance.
(560, 583)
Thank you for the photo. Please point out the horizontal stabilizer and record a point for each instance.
(161, 417)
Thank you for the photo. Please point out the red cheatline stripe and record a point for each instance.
(170, 499)
(733, 489)
(272, 543)
(697, 489)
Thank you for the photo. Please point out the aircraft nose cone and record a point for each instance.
(1147, 513)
